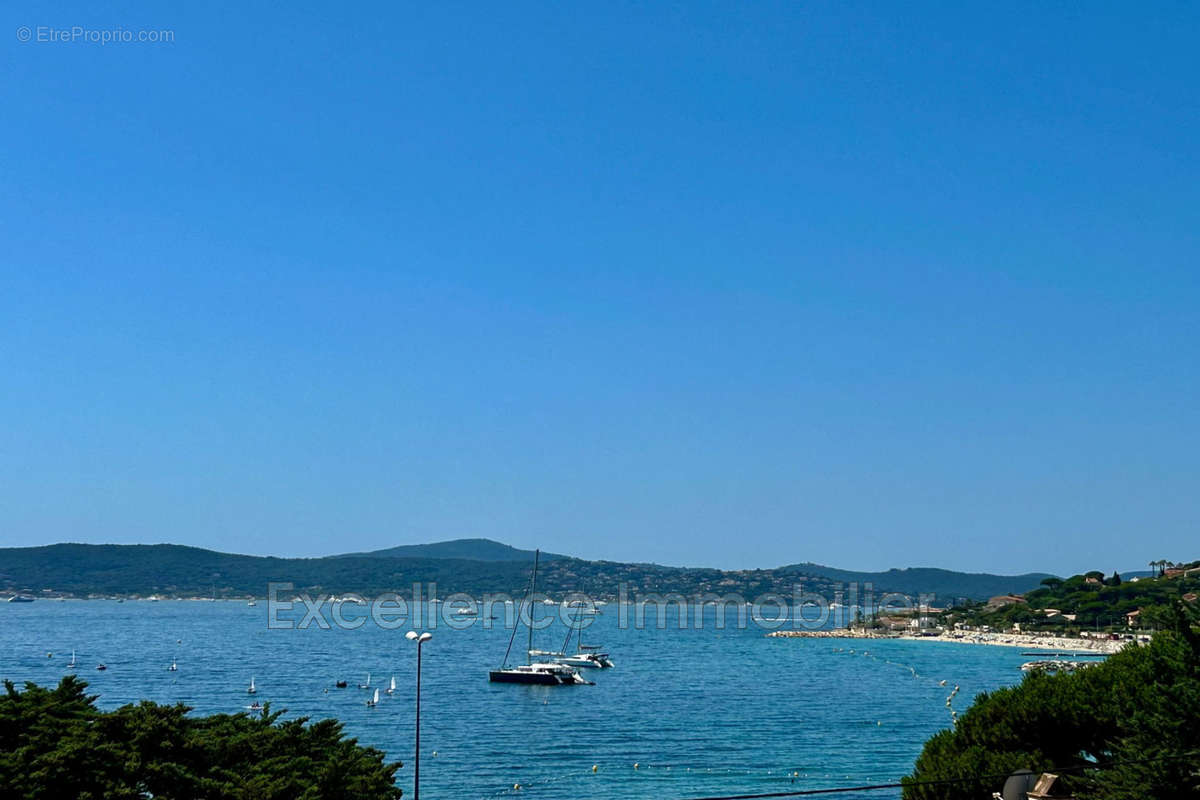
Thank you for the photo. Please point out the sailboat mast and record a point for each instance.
(532, 591)
(517, 623)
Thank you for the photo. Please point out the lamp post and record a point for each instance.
(420, 639)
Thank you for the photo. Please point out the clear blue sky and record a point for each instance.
(732, 284)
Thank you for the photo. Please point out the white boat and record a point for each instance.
(590, 660)
(581, 607)
(71, 663)
(587, 656)
(252, 689)
(366, 685)
(374, 701)
(175, 668)
(392, 686)
(581, 659)
(251, 603)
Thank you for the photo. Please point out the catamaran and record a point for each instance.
(366, 685)
(374, 701)
(252, 689)
(540, 673)
(591, 660)
(71, 663)
(587, 655)
(392, 686)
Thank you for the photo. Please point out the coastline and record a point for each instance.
(1050, 644)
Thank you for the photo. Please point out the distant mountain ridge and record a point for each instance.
(83, 570)
(911, 580)
(469, 549)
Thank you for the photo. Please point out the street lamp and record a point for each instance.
(420, 639)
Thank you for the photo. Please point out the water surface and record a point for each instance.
(701, 712)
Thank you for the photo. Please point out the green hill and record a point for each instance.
(81, 570)
(469, 549)
(912, 580)
(1091, 600)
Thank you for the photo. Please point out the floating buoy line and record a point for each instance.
(912, 671)
(639, 770)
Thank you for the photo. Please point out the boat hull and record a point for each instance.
(599, 662)
(533, 678)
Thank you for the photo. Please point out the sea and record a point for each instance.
(700, 712)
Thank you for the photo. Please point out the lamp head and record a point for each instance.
(411, 635)
(424, 637)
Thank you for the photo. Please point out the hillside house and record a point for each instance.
(1002, 600)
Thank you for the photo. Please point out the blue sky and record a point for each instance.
(719, 283)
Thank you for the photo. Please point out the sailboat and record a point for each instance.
(175, 667)
(366, 685)
(71, 663)
(586, 655)
(252, 689)
(392, 686)
(374, 701)
(542, 673)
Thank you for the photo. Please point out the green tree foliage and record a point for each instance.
(55, 744)
(1094, 604)
(1139, 710)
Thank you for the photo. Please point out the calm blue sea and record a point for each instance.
(702, 712)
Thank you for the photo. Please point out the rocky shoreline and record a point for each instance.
(1052, 644)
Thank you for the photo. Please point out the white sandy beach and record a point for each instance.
(1050, 644)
